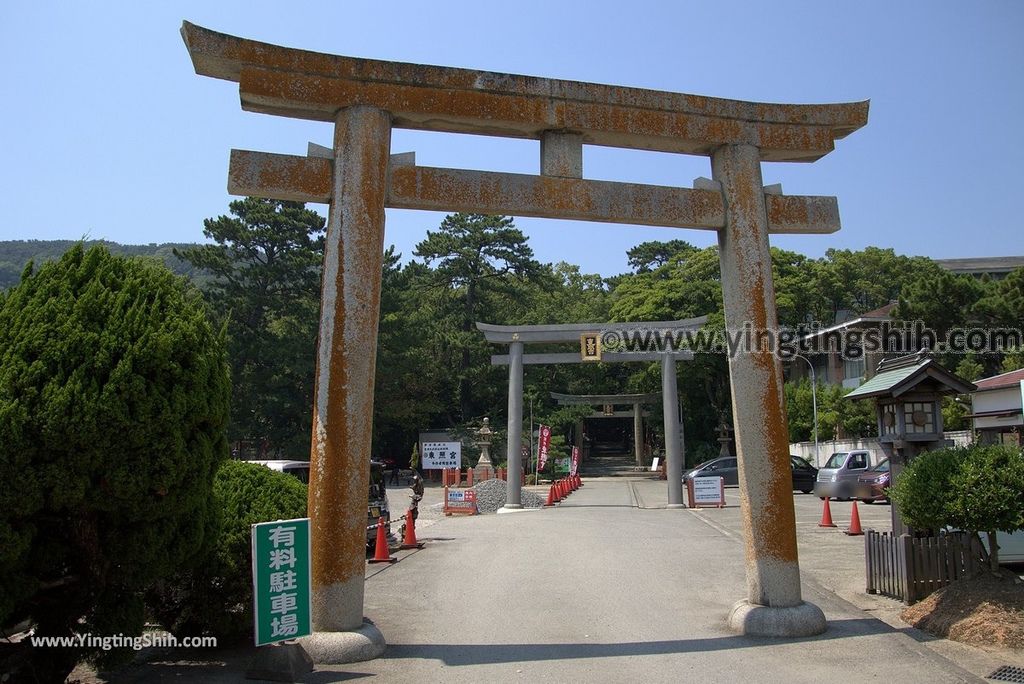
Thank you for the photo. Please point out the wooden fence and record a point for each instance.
(909, 568)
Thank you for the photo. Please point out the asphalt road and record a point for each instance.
(612, 587)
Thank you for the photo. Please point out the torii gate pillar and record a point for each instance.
(343, 413)
(514, 457)
(773, 606)
(638, 435)
(673, 450)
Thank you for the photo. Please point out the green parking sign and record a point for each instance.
(281, 580)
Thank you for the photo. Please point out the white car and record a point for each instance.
(299, 469)
(1011, 546)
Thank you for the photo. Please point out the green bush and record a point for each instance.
(987, 493)
(114, 394)
(977, 488)
(921, 490)
(217, 598)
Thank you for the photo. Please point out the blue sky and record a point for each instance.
(106, 131)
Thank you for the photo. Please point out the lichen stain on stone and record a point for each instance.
(279, 176)
(343, 477)
(222, 56)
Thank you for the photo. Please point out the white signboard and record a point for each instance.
(441, 455)
(707, 491)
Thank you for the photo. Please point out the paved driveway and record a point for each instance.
(612, 587)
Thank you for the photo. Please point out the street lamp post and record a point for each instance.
(814, 404)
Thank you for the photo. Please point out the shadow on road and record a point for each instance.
(489, 654)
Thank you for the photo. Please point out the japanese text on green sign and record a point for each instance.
(281, 580)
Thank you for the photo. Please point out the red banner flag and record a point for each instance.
(575, 461)
(543, 444)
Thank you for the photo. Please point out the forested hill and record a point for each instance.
(14, 254)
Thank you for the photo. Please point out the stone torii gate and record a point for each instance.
(517, 336)
(365, 99)
(635, 400)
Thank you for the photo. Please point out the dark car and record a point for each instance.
(804, 474)
(724, 468)
(872, 485)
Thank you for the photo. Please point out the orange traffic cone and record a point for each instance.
(551, 497)
(381, 553)
(572, 481)
(826, 516)
(579, 480)
(855, 529)
(410, 533)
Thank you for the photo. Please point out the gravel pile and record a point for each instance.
(492, 495)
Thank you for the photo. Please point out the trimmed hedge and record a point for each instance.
(217, 599)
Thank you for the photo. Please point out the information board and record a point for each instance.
(460, 501)
(706, 491)
(441, 455)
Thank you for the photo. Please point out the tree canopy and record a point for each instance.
(262, 273)
(265, 261)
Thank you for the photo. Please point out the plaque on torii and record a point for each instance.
(364, 99)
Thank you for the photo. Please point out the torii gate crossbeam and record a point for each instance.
(365, 99)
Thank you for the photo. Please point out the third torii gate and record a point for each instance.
(364, 99)
(636, 402)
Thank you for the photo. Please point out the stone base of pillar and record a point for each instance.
(673, 507)
(483, 472)
(336, 648)
(751, 619)
(514, 508)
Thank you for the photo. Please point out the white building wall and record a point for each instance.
(826, 449)
(1004, 399)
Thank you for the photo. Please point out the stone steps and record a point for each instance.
(609, 465)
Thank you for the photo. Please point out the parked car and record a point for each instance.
(725, 468)
(298, 469)
(804, 474)
(872, 485)
(377, 504)
(1011, 546)
(838, 477)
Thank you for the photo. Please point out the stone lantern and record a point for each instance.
(484, 469)
(724, 440)
(908, 393)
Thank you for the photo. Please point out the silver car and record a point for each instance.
(838, 477)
